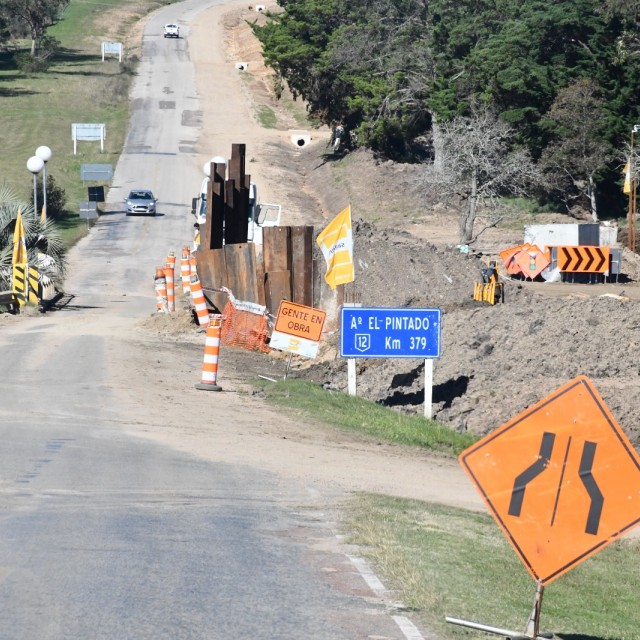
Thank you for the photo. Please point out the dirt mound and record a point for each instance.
(496, 360)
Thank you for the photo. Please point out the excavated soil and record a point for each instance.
(496, 360)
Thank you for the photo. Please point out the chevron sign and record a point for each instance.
(583, 259)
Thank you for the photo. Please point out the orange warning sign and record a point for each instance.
(583, 259)
(561, 479)
(300, 321)
(532, 262)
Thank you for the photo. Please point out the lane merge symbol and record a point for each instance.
(586, 477)
(561, 479)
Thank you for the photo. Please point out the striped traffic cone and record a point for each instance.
(185, 270)
(170, 270)
(209, 380)
(197, 296)
(161, 290)
(171, 294)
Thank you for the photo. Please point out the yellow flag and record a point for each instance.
(43, 215)
(19, 242)
(336, 243)
(627, 178)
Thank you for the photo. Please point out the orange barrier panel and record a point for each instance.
(244, 324)
(209, 381)
(508, 257)
(244, 329)
(583, 259)
(161, 291)
(185, 270)
(532, 262)
(199, 302)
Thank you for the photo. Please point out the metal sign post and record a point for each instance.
(533, 625)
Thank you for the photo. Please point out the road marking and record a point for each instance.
(369, 577)
(409, 630)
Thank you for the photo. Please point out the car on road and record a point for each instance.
(141, 201)
(171, 31)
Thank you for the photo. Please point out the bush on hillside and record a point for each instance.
(56, 199)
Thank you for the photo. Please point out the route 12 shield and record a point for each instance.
(561, 479)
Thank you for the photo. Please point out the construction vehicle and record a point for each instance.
(489, 289)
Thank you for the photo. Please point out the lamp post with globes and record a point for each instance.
(35, 165)
(44, 153)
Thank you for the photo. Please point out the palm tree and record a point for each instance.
(45, 249)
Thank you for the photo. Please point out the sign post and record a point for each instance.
(386, 332)
(561, 480)
(88, 131)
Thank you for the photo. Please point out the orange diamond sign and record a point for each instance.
(561, 479)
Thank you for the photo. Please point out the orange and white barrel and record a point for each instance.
(192, 263)
(209, 381)
(200, 304)
(171, 293)
(170, 271)
(161, 291)
(185, 270)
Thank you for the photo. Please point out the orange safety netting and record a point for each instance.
(244, 329)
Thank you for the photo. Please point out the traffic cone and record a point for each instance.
(199, 302)
(169, 272)
(185, 270)
(161, 290)
(209, 380)
(171, 294)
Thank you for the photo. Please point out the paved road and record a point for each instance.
(106, 536)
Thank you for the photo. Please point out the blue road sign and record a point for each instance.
(381, 332)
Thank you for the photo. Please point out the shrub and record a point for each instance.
(48, 47)
(56, 198)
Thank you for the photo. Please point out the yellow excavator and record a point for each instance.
(489, 290)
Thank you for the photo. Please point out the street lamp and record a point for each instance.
(44, 153)
(35, 165)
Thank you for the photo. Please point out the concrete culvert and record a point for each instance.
(300, 140)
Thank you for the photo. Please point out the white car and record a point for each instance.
(171, 31)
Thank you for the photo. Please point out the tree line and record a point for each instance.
(544, 89)
(31, 19)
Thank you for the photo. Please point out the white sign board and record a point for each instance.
(88, 131)
(112, 47)
(294, 344)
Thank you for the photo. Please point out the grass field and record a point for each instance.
(449, 562)
(39, 108)
(443, 561)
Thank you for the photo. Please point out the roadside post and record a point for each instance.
(386, 332)
(297, 330)
(352, 385)
(88, 211)
(562, 480)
